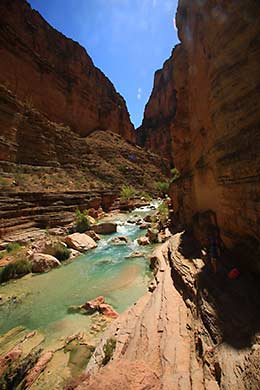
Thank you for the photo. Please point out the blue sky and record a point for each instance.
(127, 39)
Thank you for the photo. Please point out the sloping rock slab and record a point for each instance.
(80, 242)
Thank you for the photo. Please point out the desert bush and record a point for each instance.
(175, 174)
(163, 187)
(127, 192)
(108, 349)
(146, 196)
(13, 247)
(82, 221)
(163, 211)
(59, 251)
(15, 269)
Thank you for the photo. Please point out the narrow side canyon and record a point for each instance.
(204, 114)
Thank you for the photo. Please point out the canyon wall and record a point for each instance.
(214, 131)
(154, 133)
(56, 75)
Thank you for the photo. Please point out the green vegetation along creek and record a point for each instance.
(41, 302)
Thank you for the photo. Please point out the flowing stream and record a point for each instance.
(41, 302)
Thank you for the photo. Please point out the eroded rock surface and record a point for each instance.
(186, 329)
(56, 75)
(205, 104)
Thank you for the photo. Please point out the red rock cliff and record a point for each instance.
(154, 133)
(56, 75)
(214, 132)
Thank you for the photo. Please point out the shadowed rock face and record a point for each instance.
(56, 75)
(214, 131)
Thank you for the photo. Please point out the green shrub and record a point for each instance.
(82, 221)
(13, 247)
(163, 187)
(59, 251)
(16, 269)
(146, 196)
(163, 211)
(127, 192)
(175, 174)
(108, 349)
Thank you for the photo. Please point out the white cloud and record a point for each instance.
(174, 24)
(139, 93)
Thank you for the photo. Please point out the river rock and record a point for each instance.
(108, 310)
(143, 240)
(152, 234)
(74, 254)
(92, 306)
(93, 235)
(105, 228)
(42, 262)
(148, 218)
(80, 242)
(145, 225)
(135, 254)
(119, 240)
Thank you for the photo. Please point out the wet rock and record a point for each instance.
(135, 254)
(148, 218)
(74, 254)
(42, 262)
(105, 228)
(145, 225)
(80, 242)
(92, 306)
(93, 235)
(120, 240)
(143, 240)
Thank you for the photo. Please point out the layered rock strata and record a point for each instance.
(214, 127)
(56, 75)
(20, 210)
(47, 170)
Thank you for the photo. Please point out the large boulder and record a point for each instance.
(80, 242)
(108, 310)
(105, 228)
(143, 240)
(42, 262)
(92, 306)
